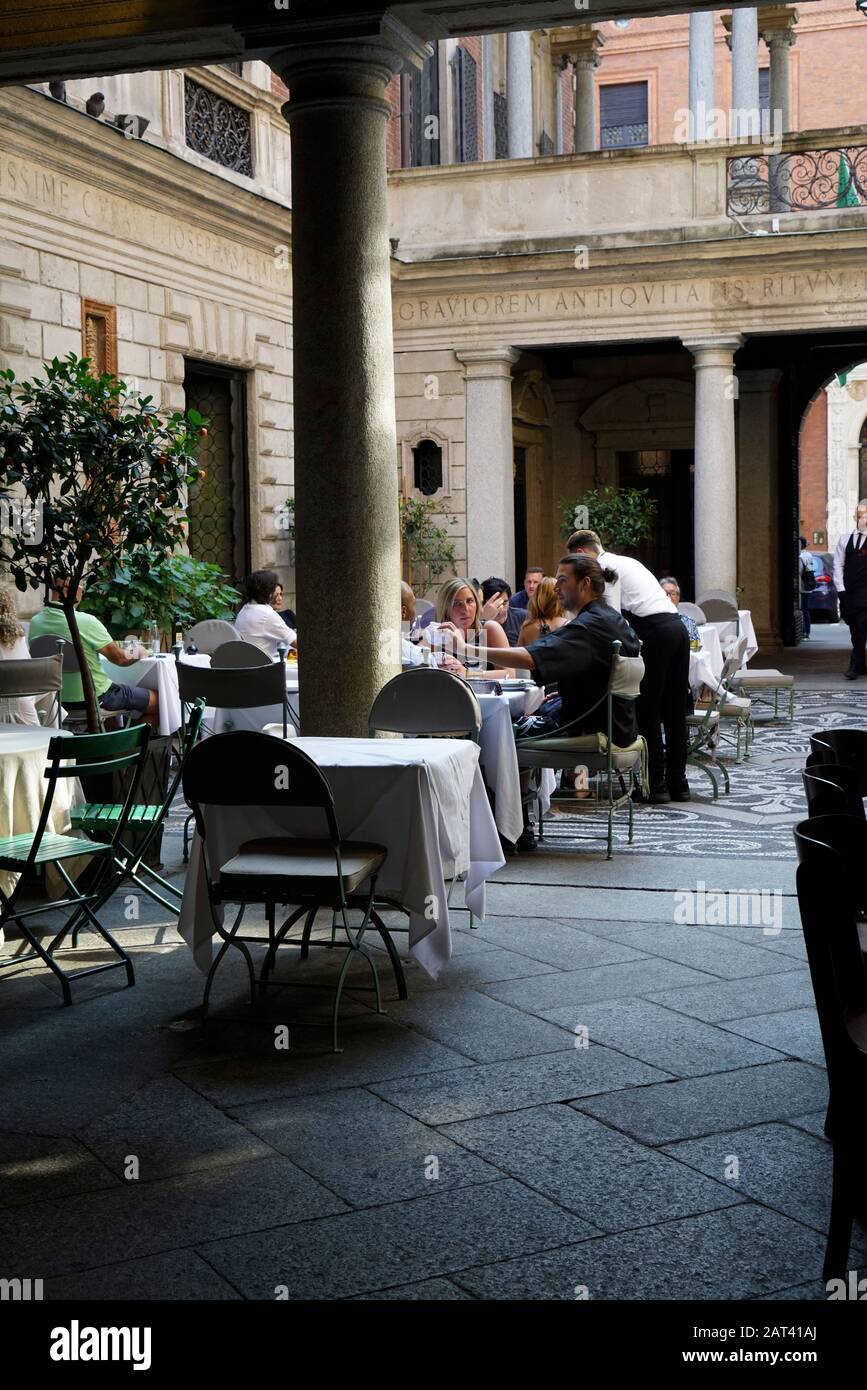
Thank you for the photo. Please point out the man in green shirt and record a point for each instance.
(97, 641)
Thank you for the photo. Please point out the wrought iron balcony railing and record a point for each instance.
(797, 180)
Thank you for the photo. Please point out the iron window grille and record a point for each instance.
(218, 129)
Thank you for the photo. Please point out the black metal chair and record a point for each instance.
(239, 654)
(426, 703)
(843, 747)
(25, 854)
(246, 770)
(832, 789)
(35, 677)
(831, 851)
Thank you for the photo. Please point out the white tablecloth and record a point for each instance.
(153, 673)
(424, 799)
(499, 759)
(729, 632)
(23, 784)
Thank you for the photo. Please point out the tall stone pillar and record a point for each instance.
(519, 94)
(716, 543)
(746, 120)
(490, 461)
(758, 501)
(560, 137)
(489, 150)
(581, 46)
(346, 494)
(701, 75)
(777, 27)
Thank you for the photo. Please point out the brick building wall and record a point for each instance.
(814, 469)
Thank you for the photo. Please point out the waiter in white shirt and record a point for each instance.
(850, 578)
(662, 703)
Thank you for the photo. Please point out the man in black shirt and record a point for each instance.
(578, 656)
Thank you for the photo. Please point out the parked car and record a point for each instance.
(824, 600)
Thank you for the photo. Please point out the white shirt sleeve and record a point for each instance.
(839, 556)
(612, 591)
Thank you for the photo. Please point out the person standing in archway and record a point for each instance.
(850, 578)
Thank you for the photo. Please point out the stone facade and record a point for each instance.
(193, 257)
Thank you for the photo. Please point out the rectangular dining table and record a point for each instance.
(423, 799)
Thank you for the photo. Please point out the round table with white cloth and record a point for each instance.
(499, 760)
(153, 673)
(423, 799)
(23, 784)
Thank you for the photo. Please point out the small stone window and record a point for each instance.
(428, 467)
(99, 337)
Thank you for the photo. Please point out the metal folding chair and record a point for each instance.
(242, 770)
(211, 634)
(595, 751)
(24, 854)
(98, 817)
(239, 654)
(35, 677)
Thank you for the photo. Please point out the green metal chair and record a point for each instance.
(98, 817)
(596, 751)
(25, 854)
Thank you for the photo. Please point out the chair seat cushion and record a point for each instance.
(276, 859)
(696, 720)
(15, 849)
(763, 678)
(104, 813)
(586, 750)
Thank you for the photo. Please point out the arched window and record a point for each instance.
(428, 467)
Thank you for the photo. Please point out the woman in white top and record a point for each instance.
(18, 709)
(257, 621)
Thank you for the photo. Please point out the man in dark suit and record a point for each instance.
(850, 578)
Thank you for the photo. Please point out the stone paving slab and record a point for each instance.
(384, 1247)
(178, 1276)
(777, 1165)
(728, 999)
(795, 1032)
(680, 1045)
(704, 1105)
(619, 981)
(54, 1238)
(515, 1085)
(712, 952)
(602, 1176)
(170, 1130)
(428, 1291)
(563, 945)
(742, 1252)
(38, 1168)
(481, 1028)
(362, 1148)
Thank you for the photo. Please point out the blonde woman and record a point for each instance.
(18, 709)
(459, 606)
(544, 614)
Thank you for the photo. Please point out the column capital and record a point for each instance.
(357, 67)
(776, 24)
(487, 362)
(714, 349)
(578, 44)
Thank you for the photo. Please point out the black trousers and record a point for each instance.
(662, 702)
(857, 620)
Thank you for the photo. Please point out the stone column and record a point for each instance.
(560, 137)
(489, 461)
(519, 94)
(581, 47)
(488, 138)
(716, 535)
(585, 101)
(701, 75)
(346, 491)
(746, 121)
(758, 505)
(779, 39)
